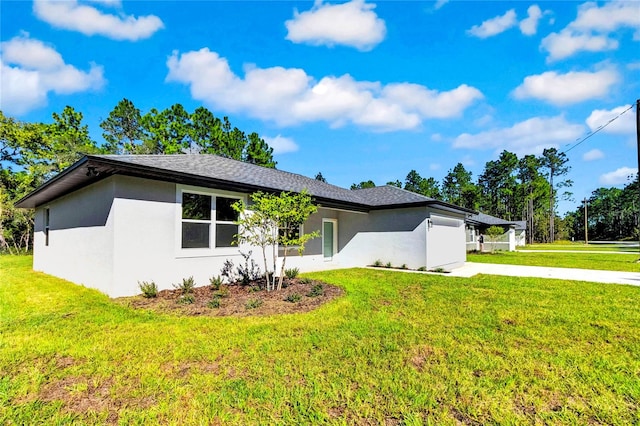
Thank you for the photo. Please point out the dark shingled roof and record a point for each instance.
(224, 173)
(488, 220)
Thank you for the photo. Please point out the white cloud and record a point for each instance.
(623, 125)
(594, 154)
(570, 88)
(567, 42)
(529, 25)
(440, 3)
(494, 26)
(31, 69)
(88, 20)
(619, 176)
(281, 144)
(591, 30)
(434, 166)
(351, 24)
(289, 96)
(436, 137)
(527, 137)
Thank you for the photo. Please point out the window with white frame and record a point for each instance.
(226, 228)
(208, 221)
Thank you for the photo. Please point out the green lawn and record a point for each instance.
(582, 260)
(397, 349)
(630, 247)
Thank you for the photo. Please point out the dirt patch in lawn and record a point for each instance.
(297, 295)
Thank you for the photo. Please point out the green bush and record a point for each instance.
(388, 265)
(316, 290)
(215, 283)
(422, 268)
(149, 289)
(293, 298)
(253, 303)
(223, 293)
(306, 280)
(214, 303)
(187, 285)
(377, 263)
(291, 273)
(186, 299)
(404, 266)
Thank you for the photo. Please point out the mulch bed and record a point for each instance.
(240, 300)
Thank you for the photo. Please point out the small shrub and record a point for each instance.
(316, 291)
(254, 288)
(377, 263)
(441, 270)
(250, 271)
(291, 273)
(306, 280)
(214, 303)
(404, 266)
(215, 283)
(148, 289)
(293, 298)
(186, 299)
(253, 304)
(422, 268)
(187, 285)
(223, 293)
(229, 272)
(388, 265)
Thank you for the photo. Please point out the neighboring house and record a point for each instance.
(521, 233)
(109, 222)
(514, 233)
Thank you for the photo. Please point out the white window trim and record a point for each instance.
(211, 251)
(292, 247)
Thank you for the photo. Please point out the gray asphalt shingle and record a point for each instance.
(220, 168)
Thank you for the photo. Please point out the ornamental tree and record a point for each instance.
(494, 232)
(274, 220)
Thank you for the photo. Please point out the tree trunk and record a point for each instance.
(551, 209)
(284, 260)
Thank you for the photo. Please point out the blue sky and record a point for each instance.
(357, 90)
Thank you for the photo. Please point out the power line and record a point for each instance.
(602, 126)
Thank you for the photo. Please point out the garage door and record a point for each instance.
(445, 242)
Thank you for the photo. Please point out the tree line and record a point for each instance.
(31, 153)
(612, 214)
(526, 188)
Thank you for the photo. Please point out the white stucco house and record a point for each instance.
(108, 222)
(514, 233)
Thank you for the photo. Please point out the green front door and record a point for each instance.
(328, 238)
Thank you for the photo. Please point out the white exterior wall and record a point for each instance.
(148, 238)
(399, 236)
(446, 241)
(81, 230)
(122, 230)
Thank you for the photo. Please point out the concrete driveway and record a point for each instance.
(609, 277)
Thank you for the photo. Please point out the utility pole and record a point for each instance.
(551, 204)
(586, 227)
(638, 149)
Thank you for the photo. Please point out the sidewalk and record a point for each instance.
(609, 277)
